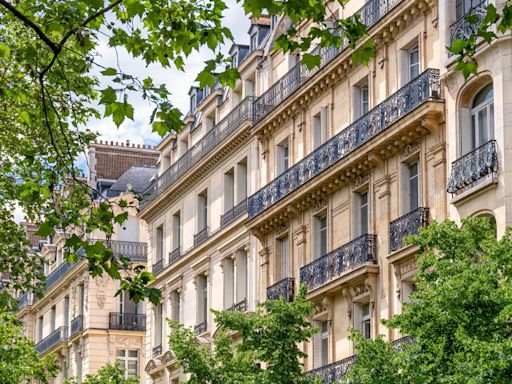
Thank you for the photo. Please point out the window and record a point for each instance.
(129, 362)
(234, 60)
(209, 122)
(66, 311)
(241, 276)
(321, 345)
(320, 128)
(52, 318)
(40, 328)
(273, 21)
(81, 298)
(320, 236)
(159, 242)
(241, 181)
(361, 213)
(126, 305)
(157, 323)
(413, 184)
(254, 41)
(202, 211)
(202, 299)
(462, 7)
(361, 98)
(176, 230)
(193, 103)
(175, 306)
(282, 157)
(482, 117)
(229, 189)
(229, 282)
(283, 265)
(408, 287)
(413, 62)
(365, 321)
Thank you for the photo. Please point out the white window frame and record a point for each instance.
(282, 157)
(123, 360)
(413, 68)
(488, 106)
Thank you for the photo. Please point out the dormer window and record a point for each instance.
(273, 21)
(254, 41)
(234, 60)
(193, 103)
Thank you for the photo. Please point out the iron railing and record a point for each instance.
(333, 372)
(406, 225)
(58, 273)
(77, 325)
(421, 89)
(60, 335)
(369, 14)
(240, 306)
(201, 328)
(157, 267)
(398, 344)
(476, 165)
(283, 288)
(135, 250)
(127, 321)
(209, 141)
(354, 254)
(201, 236)
(25, 299)
(468, 24)
(157, 350)
(175, 255)
(234, 213)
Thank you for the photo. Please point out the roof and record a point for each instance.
(137, 177)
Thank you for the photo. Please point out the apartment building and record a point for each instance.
(79, 318)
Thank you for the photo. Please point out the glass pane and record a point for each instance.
(323, 236)
(483, 135)
(284, 257)
(365, 310)
(120, 353)
(132, 368)
(491, 121)
(474, 130)
(133, 353)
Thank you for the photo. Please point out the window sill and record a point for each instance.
(476, 190)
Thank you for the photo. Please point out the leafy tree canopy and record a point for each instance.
(459, 317)
(108, 374)
(48, 93)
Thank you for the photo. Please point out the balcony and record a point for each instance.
(283, 288)
(334, 372)
(472, 168)
(369, 14)
(24, 300)
(406, 225)
(127, 321)
(175, 255)
(59, 273)
(348, 257)
(469, 23)
(60, 335)
(423, 88)
(234, 213)
(157, 350)
(157, 267)
(136, 251)
(77, 325)
(201, 328)
(201, 236)
(398, 344)
(204, 146)
(240, 306)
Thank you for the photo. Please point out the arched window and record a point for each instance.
(482, 117)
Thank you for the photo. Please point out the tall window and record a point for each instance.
(157, 323)
(202, 210)
(229, 282)
(241, 181)
(53, 316)
(176, 230)
(202, 299)
(320, 236)
(282, 157)
(320, 128)
(361, 213)
(361, 98)
(365, 321)
(40, 328)
(229, 189)
(127, 305)
(175, 306)
(81, 298)
(283, 247)
(66, 311)
(129, 362)
(159, 243)
(321, 345)
(462, 7)
(234, 60)
(413, 62)
(482, 117)
(414, 187)
(241, 276)
(254, 41)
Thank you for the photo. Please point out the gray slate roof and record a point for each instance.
(139, 177)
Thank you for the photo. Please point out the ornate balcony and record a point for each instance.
(175, 255)
(201, 328)
(157, 267)
(205, 145)
(77, 325)
(60, 335)
(136, 251)
(423, 88)
(333, 372)
(157, 350)
(127, 321)
(469, 23)
(234, 213)
(369, 14)
(398, 344)
(283, 288)
(58, 273)
(406, 225)
(473, 167)
(240, 306)
(24, 300)
(345, 258)
(201, 236)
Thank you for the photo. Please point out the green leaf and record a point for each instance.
(45, 229)
(311, 61)
(134, 8)
(109, 72)
(458, 47)
(5, 51)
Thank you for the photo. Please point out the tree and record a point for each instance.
(108, 374)
(459, 317)
(49, 91)
(19, 361)
(266, 350)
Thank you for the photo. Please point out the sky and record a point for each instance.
(178, 83)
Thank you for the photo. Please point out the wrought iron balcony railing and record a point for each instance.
(423, 88)
(398, 344)
(240, 306)
(60, 335)
(157, 267)
(25, 299)
(59, 273)
(135, 250)
(77, 325)
(283, 288)
(201, 328)
(354, 254)
(201, 236)
(333, 372)
(469, 23)
(369, 14)
(406, 225)
(175, 255)
(157, 350)
(127, 321)
(473, 167)
(209, 141)
(234, 213)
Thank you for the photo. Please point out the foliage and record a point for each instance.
(108, 374)
(460, 315)
(266, 348)
(19, 361)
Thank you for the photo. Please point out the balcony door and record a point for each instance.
(482, 117)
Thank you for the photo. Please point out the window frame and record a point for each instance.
(124, 361)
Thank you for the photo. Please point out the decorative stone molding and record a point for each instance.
(410, 150)
(360, 180)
